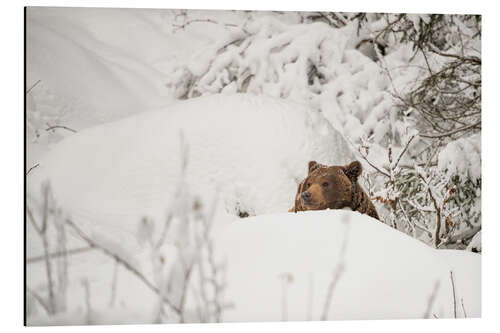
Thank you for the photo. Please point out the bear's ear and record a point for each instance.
(313, 165)
(353, 170)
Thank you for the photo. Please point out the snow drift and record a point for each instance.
(280, 267)
(384, 274)
(251, 150)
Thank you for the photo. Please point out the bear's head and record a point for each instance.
(328, 186)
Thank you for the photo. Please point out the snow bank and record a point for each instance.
(280, 266)
(386, 274)
(252, 150)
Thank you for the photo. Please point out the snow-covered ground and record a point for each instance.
(280, 266)
(252, 150)
(384, 273)
(138, 152)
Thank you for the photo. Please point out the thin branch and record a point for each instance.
(438, 213)
(42, 232)
(86, 288)
(333, 283)
(187, 276)
(33, 167)
(408, 221)
(59, 254)
(372, 165)
(438, 217)
(431, 300)
(33, 86)
(39, 299)
(328, 19)
(184, 25)
(340, 18)
(164, 232)
(51, 128)
(472, 59)
(463, 307)
(404, 151)
(125, 264)
(31, 218)
(458, 130)
(454, 296)
(339, 270)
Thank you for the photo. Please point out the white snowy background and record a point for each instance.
(165, 148)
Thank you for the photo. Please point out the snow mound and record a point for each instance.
(251, 150)
(385, 274)
(280, 267)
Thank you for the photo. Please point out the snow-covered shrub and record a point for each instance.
(307, 63)
(399, 87)
(437, 186)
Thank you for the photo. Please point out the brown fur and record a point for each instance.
(333, 187)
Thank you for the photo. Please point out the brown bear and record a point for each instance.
(333, 187)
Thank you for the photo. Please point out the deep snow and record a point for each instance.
(386, 274)
(252, 150)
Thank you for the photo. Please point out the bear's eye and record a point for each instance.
(308, 185)
(325, 184)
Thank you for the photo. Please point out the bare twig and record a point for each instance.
(454, 296)
(164, 232)
(39, 299)
(52, 128)
(59, 254)
(124, 263)
(404, 151)
(184, 25)
(86, 288)
(431, 300)
(61, 261)
(408, 220)
(187, 276)
(458, 130)
(33, 167)
(33, 86)
(463, 307)
(42, 232)
(437, 208)
(372, 165)
(338, 271)
(438, 219)
(471, 59)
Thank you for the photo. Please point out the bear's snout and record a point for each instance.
(306, 195)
